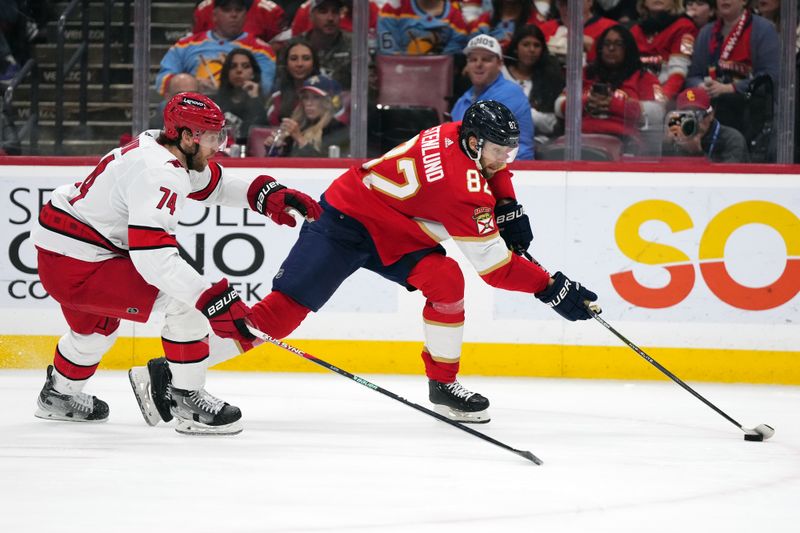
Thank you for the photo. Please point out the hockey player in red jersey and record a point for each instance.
(389, 215)
(107, 251)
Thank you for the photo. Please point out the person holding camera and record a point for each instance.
(692, 130)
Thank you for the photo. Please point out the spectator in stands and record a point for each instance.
(202, 54)
(770, 10)
(298, 61)
(240, 95)
(179, 83)
(472, 10)
(264, 20)
(665, 37)
(555, 30)
(729, 54)
(421, 27)
(529, 64)
(623, 11)
(290, 8)
(484, 64)
(692, 130)
(302, 18)
(701, 11)
(505, 17)
(22, 24)
(620, 96)
(313, 128)
(333, 46)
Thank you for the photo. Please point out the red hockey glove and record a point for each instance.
(270, 198)
(225, 312)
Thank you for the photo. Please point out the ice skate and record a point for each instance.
(151, 388)
(79, 407)
(457, 403)
(199, 413)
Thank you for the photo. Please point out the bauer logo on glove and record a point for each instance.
(222, 303)
(273, 200)
(514, 226)
(568, 298)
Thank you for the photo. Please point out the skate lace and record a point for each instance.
(206, 402)
(82, 401)
(456, 389)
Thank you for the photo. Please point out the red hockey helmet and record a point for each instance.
(199, 114)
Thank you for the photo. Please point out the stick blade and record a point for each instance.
(529, 456)
(765, 431)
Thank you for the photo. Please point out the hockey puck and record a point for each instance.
(757, 438)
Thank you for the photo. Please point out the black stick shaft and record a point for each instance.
(297, 351)
(663, 370)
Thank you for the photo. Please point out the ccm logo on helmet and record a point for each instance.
(222, 304)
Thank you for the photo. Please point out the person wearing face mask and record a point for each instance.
(389, 215)
(665, 37)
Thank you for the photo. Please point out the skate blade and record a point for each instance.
(187, 427)
(47, 415)
(140, 382)
(465, 417)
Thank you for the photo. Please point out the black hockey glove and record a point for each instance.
(514, 226)
(567, 298)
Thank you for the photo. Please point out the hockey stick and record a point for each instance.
(758, 433)
(297, 351)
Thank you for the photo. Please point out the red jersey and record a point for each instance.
(427, 190)
(593, 28)
(667, 53)
(302, 18)
(625, 110)
(504, 30)
(264, 19)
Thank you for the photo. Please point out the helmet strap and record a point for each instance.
(478, 156)
(475, 156)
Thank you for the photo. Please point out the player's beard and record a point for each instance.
(192, 162)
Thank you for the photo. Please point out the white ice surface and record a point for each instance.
(321, 453)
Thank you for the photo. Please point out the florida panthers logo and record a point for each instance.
(484, 220)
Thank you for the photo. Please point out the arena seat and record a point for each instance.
(416, 81)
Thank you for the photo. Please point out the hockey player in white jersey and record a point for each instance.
(107, 251)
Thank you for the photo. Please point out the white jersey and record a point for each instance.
(130, 206)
